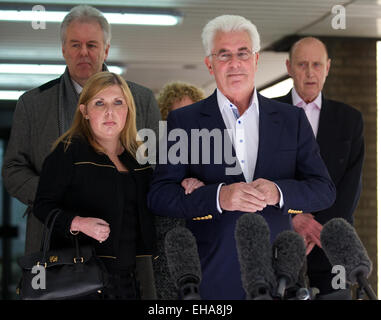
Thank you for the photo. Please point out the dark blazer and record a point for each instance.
(341, 142)
(287, 154)
(83, 182)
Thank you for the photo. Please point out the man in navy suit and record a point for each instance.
(280, 171)
(339, 132)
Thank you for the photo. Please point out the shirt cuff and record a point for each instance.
(281, 202)
(218, 196)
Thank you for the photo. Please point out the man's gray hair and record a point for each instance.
(229, 23)
(84, 13)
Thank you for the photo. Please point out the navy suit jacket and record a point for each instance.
(287, 155)
(341, 141)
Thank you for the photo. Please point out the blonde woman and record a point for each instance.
(93, 176)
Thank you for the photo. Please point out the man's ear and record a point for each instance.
(106, 52)
(256, 58)
(328, 65)
(208, 65)
(288, 65)
(63, 50)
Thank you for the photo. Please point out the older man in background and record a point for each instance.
(338, 129)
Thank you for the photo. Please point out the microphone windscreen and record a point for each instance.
(289, 253)
(182, 255)
(165, 288)
(343, 247)
(252, 236)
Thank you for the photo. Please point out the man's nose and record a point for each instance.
(235, 61)
(84, 51)
(309, 70)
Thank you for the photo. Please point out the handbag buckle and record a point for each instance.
(75, 259)
(45, 264)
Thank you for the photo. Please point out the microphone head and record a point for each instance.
(343, 247)
(182, 257)
(252, 236)
(165, 288)
(289, 254)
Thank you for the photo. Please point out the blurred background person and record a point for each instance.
(175, 95)
(92, 175)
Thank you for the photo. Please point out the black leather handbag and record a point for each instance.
(60, 274)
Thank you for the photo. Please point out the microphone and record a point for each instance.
(343, 247)
(252, 236)
(289, 253)
(183, 262)
(165, 288)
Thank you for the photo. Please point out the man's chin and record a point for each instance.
(84, 76)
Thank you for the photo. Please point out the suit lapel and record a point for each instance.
(326, 122)
(270, 127)
(210, 115)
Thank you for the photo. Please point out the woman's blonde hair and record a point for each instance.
(81, 127)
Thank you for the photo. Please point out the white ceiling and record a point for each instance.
(156, 55)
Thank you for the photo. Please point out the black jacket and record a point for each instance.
(82, 182)
(341, 141)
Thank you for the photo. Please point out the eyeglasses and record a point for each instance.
(227, 55)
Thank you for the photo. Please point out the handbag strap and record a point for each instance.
(52, 214)
(45, 242)
(47, 233)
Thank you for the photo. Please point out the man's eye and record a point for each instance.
(225, 56)
(242, 54)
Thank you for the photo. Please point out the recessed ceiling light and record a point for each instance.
(150, 17)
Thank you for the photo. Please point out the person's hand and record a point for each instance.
(95, 228)
(191, 184)
(241, 197)
(268, 189)
(306, 225)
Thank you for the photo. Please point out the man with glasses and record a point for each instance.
(280, 168)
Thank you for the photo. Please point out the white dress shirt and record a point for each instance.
(244, 134)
